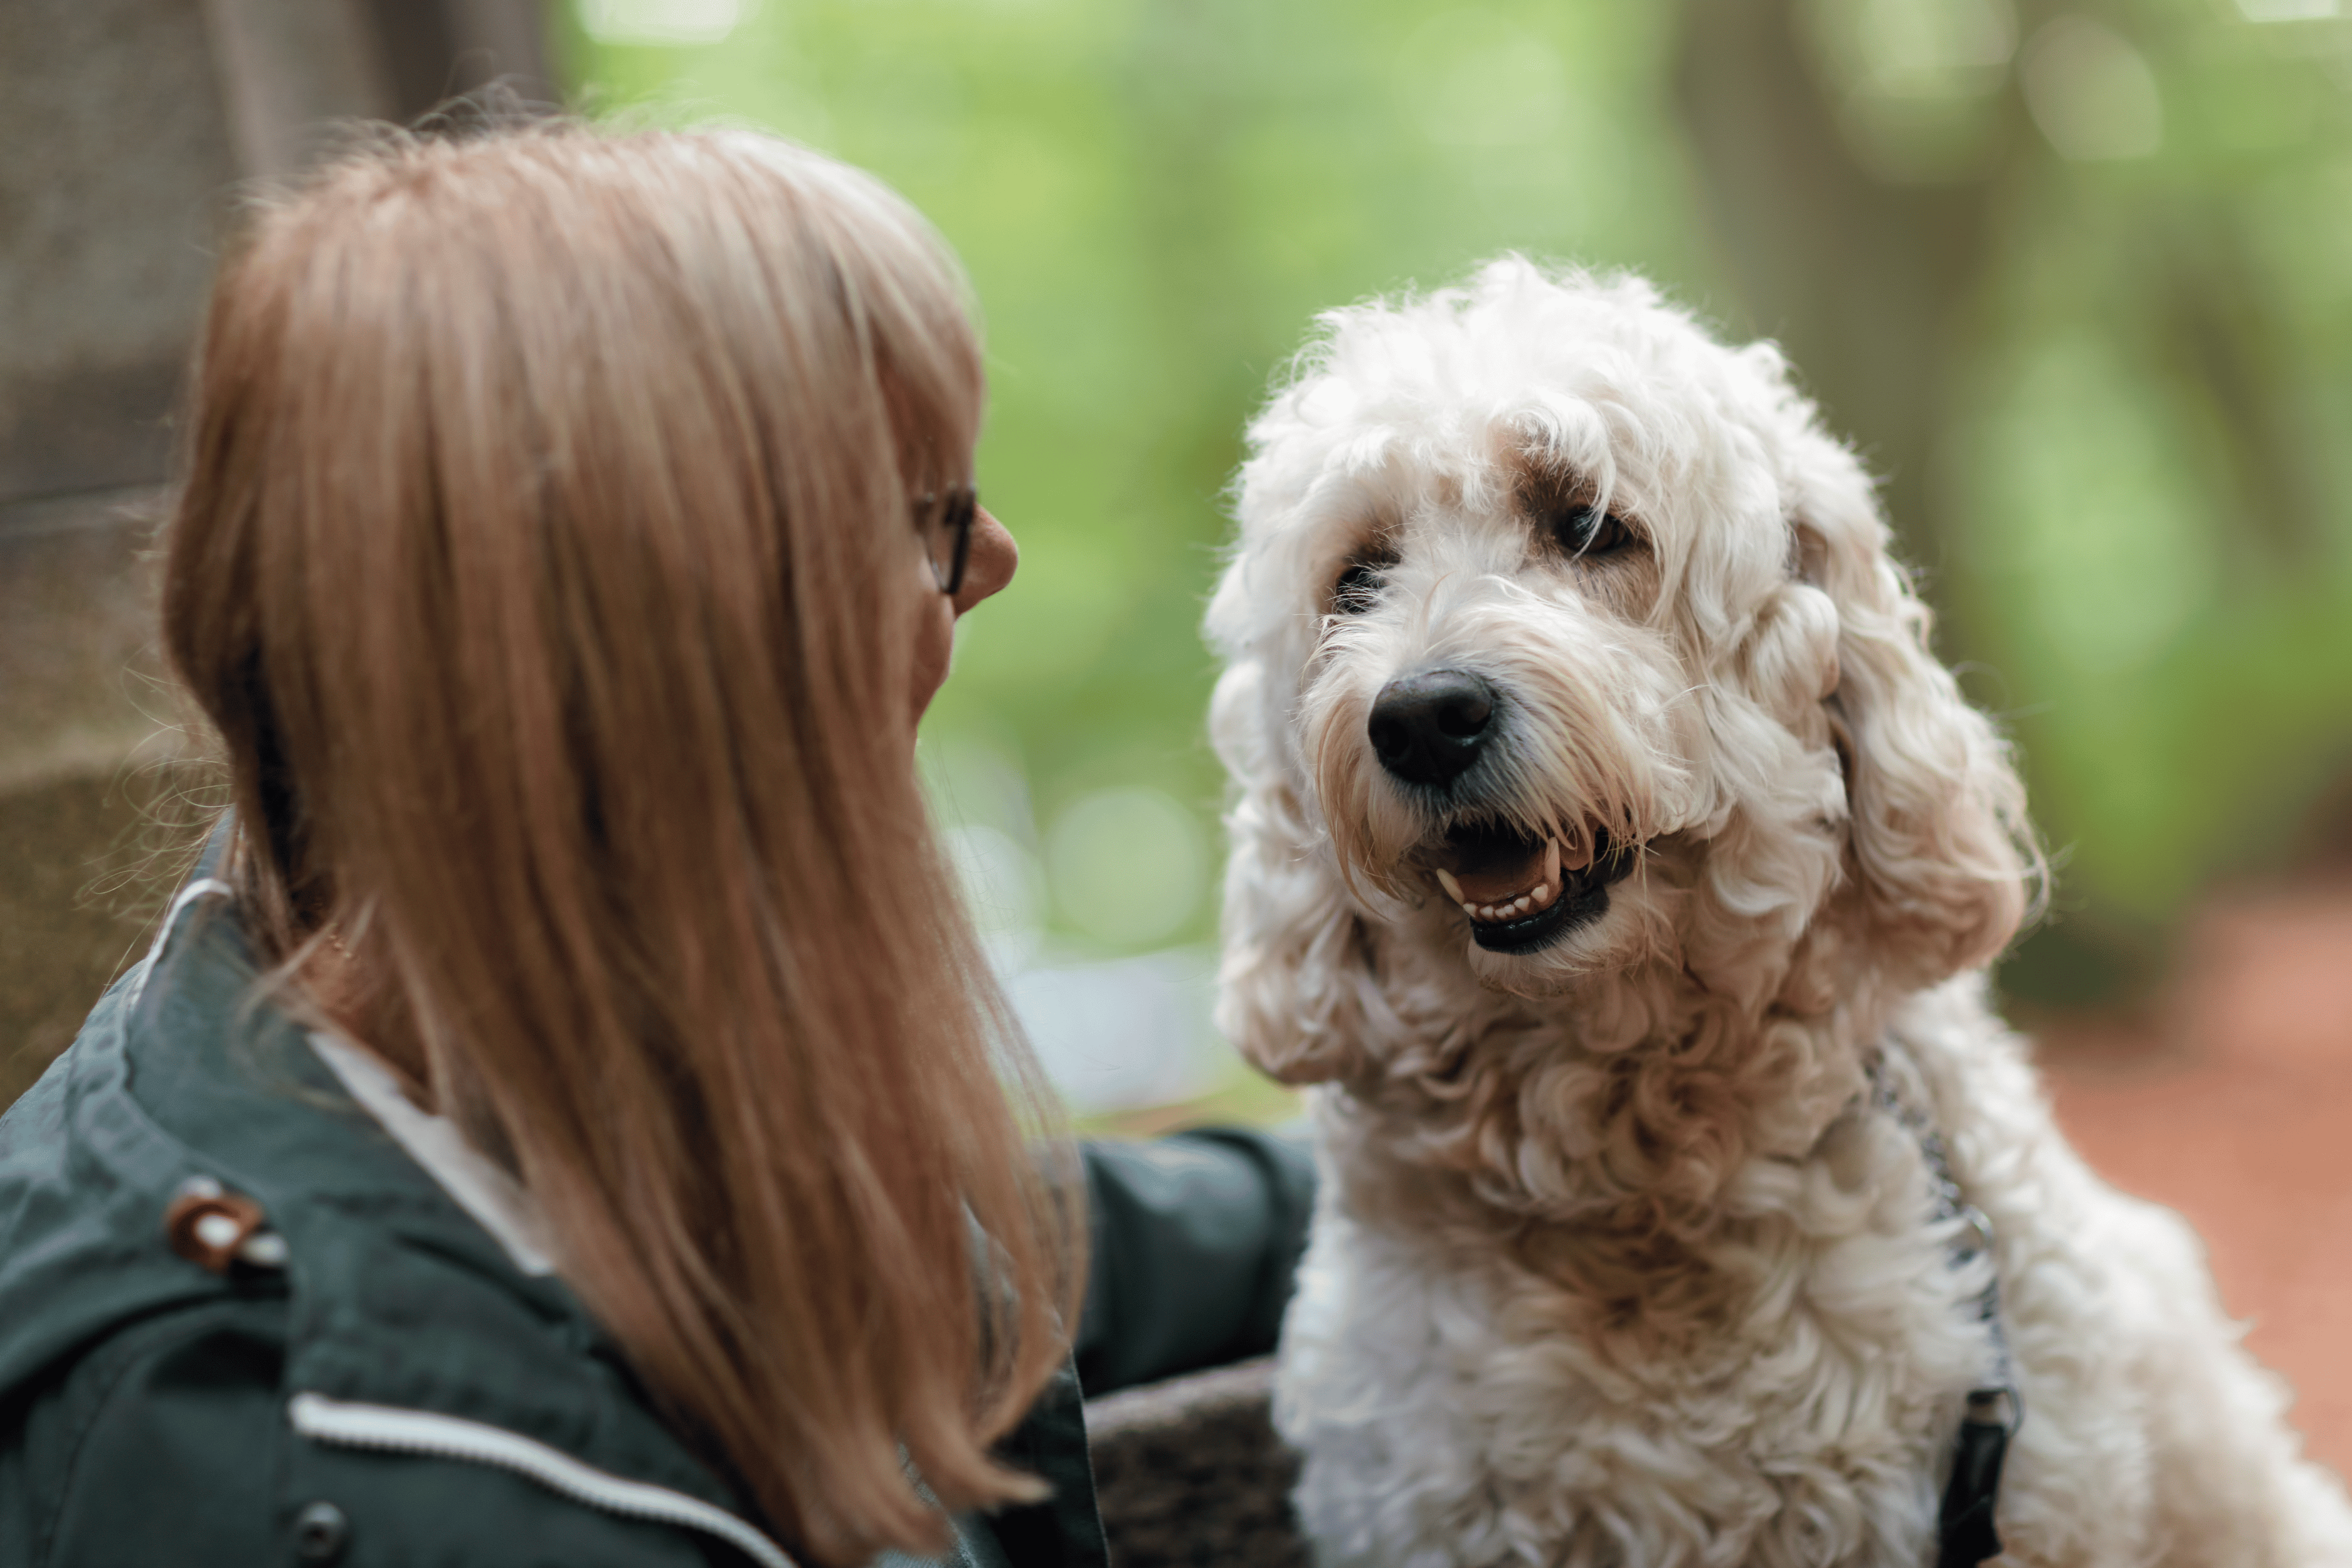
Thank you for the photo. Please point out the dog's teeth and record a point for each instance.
(1471, 910)
(1542, 893)
(1453, 888)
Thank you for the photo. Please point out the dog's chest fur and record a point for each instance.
(1477, 1380)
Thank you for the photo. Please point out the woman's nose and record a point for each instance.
(991, 562)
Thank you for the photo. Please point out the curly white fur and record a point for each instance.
(1612, 1268)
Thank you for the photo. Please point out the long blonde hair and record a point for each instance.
(543, 561)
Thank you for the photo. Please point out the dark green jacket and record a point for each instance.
(398, 1391)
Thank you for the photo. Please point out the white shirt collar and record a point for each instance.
(479, 1186)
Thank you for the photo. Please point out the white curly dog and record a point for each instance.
(1613, 854)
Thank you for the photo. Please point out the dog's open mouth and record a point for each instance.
(1523, 892)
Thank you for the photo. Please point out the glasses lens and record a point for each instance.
(951, 539)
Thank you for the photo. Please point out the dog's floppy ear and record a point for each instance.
(1944, 860)
(1292, 982)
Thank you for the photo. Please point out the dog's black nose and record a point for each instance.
(1426, 728)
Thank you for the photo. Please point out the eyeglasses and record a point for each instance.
(945, 522)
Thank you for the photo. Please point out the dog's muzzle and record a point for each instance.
(1521, 891)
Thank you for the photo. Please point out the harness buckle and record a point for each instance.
(1994, 1407)
(1975, 1237)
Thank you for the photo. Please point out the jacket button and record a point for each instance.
(210, 1227)
(320, 1532)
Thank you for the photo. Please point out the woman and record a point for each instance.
(567, 1118)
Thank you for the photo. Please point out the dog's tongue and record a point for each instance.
(1488, 878)
(1491, 868)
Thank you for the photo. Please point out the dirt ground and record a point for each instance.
(2230, 1101)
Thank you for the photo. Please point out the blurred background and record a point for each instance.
(2075, 276)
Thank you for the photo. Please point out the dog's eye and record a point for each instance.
(1357, 589)
(1589, 532)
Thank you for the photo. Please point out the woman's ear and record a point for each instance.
(1290, 982)
(1940, 850)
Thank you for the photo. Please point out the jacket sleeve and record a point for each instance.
(1195, 1240)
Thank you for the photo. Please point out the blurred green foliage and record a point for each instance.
(1153, 198)
(2123, 477)
(2150, 466)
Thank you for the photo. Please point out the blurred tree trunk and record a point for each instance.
(1863, 282)
(1873, 288)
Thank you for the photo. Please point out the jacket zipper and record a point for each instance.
(344, 1423)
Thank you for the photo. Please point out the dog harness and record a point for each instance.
(1994, 1410)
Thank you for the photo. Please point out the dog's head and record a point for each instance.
(1562, 637)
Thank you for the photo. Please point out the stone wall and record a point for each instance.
(1190, 1474)
(129, 125)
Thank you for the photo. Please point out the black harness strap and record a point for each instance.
(1994, 1411)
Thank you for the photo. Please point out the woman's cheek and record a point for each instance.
(934, 650)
